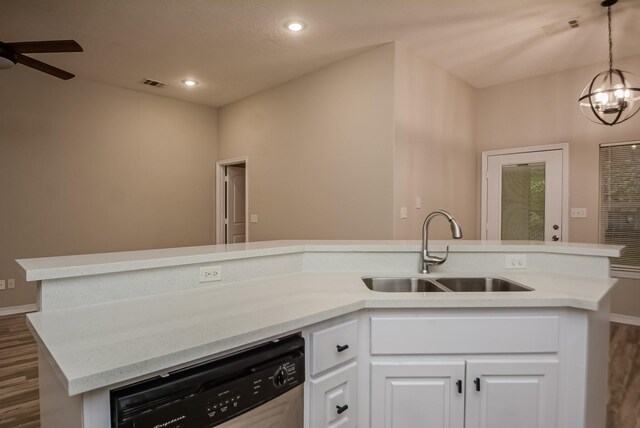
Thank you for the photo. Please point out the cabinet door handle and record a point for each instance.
(342, 347)
(477, 382)
(459, 384)
(341, 409)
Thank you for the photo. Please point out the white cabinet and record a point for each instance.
(333, 386)
(333, 345)
(507, 394)
(417, 394)
(464, 334)
(334, 398)
(498, 394)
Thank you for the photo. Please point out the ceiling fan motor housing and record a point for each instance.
(8, 58)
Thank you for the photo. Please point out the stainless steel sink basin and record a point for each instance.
(455, 284)
(402, 285)
(480, 284)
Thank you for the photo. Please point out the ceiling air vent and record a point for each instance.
(154, 83)
(558, 27)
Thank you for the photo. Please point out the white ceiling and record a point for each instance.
(238, 47)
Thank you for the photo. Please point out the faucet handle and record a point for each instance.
(446, 254)
(435, 260)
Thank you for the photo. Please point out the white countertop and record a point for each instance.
(94, 264)
(100, 345)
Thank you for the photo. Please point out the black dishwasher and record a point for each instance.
(219, 392)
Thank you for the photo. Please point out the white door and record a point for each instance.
(510, 394)
(235, 215)
(524, 196)
(417, 394)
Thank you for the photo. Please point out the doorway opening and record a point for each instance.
(525, 194)
(232, 201)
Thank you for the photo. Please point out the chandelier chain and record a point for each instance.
(610, 40)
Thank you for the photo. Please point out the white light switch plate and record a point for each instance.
(403, 212)
(578, 212)
(210, 273)
(515, 261)
(254, 218)
(418, 202)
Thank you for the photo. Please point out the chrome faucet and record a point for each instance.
(427, 259)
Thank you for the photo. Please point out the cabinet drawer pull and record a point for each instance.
(477, 382)
(342, 347)
(341, 409)
(459, 384)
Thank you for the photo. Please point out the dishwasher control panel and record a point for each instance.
(258, 388)
(212, 393)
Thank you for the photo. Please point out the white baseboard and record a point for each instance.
(625, 319)
(12, 310)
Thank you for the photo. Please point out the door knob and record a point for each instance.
(555, 238)
(556, 227)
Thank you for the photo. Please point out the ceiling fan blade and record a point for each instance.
(50, 46)
(45, 68)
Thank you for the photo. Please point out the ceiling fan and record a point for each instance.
(13, 53)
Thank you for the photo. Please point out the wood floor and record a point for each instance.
(624, 377)
(19, 376)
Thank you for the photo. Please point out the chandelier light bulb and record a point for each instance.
(601, 97)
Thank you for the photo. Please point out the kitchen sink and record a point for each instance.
(481, 284)
(402, 285)
(455, 284)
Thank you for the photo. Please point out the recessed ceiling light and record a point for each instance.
(295, 26)
(190, 82)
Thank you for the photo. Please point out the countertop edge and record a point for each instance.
(40, 269)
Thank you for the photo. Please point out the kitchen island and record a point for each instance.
(107, 320)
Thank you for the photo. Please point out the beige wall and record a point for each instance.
(320, 151)
(435, 153)
(86, 168)
(544, 110)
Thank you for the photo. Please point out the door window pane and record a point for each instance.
(523, 191)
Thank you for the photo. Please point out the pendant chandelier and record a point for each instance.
(610, 97)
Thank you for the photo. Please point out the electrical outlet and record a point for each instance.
(11, 283)
(578, 212)
(210, 273)
(515, 261)
(254, 218)
(2, 284)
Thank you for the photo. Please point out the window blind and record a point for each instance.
(620, 202)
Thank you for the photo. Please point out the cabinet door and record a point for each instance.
(508, 394)
(333, 399)
(417, 394)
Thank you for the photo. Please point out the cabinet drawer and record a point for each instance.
(333, 345)
(461, 335)
(333, 399)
